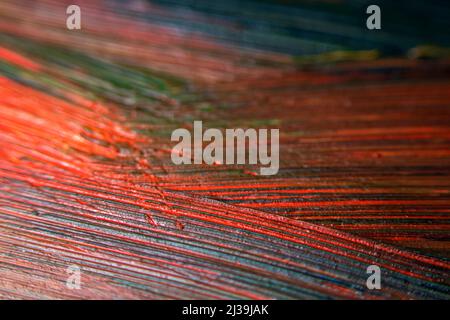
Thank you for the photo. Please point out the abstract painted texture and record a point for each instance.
(86, 176)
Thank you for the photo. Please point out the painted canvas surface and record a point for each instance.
(88, 186)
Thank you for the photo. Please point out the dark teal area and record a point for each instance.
(312, 27)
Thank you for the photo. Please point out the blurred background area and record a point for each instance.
(312, 27)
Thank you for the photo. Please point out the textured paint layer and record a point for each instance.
(86, 176)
